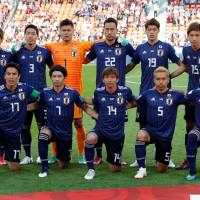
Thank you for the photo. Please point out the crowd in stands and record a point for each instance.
(5, 7)
(88, 17)
(179, 15)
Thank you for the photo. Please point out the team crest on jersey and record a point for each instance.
(66, 99)
(169, 101)
(3, 62)
(39, 58)
(120, 99)
(160, 52)
(21, 95)
(118, 51)
(74, 52)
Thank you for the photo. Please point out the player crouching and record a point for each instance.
(59, 102)
(162, 104)
(111, 101)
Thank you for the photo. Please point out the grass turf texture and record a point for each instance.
(27, 180)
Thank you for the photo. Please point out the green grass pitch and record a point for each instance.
(27, 180)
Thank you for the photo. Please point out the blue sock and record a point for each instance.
(191, 149)
(98, 147)
(43, 150)
(26, 141)
(89, 155)
(140, 152)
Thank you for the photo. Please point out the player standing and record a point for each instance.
(191, 61)
(70, 54)
(32, 60)
(151, 54)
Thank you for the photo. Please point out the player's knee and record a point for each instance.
(161, 167)
(91, 138)
(114, 168)
(141, 136)
(45, 132)
(13, 166)
(78, 123)
(63, 165)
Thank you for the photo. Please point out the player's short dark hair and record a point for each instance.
(12, 65)
(110, 70)
(58, 68)
(110, 20)
(66, 22)
(33, 27)
(1, 33)
(194, 26)
(152, 22)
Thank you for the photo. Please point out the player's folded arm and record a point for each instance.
(90, 111)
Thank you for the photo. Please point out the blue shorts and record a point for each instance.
(113, 148)
(64, 147)
(12, 146)
(163, 148)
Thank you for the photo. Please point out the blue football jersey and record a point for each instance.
(161, 111)
(112, 108)
(152, 57)
(194, 96)
(107, 56)
(33, 66)
(13, 108)
(191, 58)
(60, 110)
(5, 58)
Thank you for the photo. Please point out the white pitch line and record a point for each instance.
(138, 83)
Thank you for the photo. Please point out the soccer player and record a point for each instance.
(70, 54)
(151, 54)
(5, 57)
(32, 59)
(109, 53)
(111, 101)
(14, 98)
(161, 104)
(193, 140)
(191, 64)
(59, 101)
